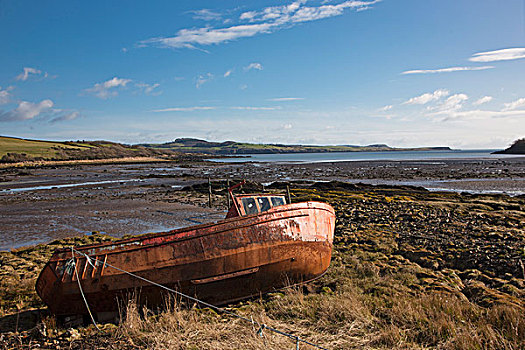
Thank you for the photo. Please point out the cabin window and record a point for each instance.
(276, 201)
(264, 203)
(249, 206)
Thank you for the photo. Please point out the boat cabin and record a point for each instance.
(249, 204)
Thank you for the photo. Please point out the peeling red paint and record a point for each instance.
(229, 260)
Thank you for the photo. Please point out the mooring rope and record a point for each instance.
(80, 286)
(261, 326)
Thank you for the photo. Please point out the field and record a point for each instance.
(411, 269)
(15, 150)
(36, 149)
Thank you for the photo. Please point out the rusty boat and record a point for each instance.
(263, 244)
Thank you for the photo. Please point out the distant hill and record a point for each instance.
(518, 147)
(191, 145)
(14, 149)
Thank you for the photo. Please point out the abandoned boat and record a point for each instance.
(262, 245)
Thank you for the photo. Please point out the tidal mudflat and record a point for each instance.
(411, 268)
(41, 204)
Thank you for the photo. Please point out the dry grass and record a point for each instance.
(444, 321)
(370, 298)
(83, 161)
(179, 328)
(347, 319)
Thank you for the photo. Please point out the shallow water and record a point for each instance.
(364, 156)
(52, 187)
(511, 187)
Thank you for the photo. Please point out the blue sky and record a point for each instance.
(405, 73)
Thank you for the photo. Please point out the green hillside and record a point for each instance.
(14, 149)
(190, 145)
(18, 150)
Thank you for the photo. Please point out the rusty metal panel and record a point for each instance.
(221, 262)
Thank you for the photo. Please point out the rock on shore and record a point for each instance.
(410, 269)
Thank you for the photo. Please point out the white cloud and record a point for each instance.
(482, 100)
(428, 97)
(65, 117)
(108, 88)
(287, 126)
(518, 104)
(270, 18)
(499, 55)
(115, 82)
(27, 72)
(26, 110)
(386, 108)
(206, 15)
(188, 38)
(43, 110)
(452, 109)
(184, 109)
(228, 73)
(148, 89)
(272, 13)
(446, 70)
(257, 108)
(5, 96)
(253, 65)
(306, 14)
(202, 79)
(250, 15)
(207, 108)
(453, 103)
(285, 99)
(480, 115)
(296, 12)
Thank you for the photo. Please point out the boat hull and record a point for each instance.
(218, 263)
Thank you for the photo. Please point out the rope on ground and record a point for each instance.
(261, 326)
(80, 286)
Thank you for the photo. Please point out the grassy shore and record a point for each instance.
(410, 270)
(49, 163)
(15, 150)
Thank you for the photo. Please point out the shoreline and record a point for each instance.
(435, 256)
(334, 157)
(48, 163)
(397, 249)
(251, 158)
(41, 204)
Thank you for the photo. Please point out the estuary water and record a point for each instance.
(364, 156)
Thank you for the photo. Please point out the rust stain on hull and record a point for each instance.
(229, 260)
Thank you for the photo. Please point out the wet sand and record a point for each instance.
(38, 205)
(35, 208)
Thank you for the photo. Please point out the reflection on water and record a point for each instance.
(29, 232)
(175, 168)
(363, 156)
(511, 187)
(52, 187)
